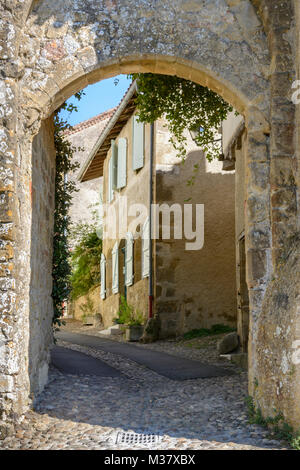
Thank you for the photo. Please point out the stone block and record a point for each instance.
(240, 359)
(6, 384)
(282, 137)
(259, 175)
(257, 264)
(281, 172)
(134, 333)
(229, 343)
(260, 236)
(258, 207)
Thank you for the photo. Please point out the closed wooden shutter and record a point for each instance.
(137, 144)
(122, 163)
(114, 158)
(146, 248)
(110, 191)
(115, 269)
(129, 259)
(103, 276)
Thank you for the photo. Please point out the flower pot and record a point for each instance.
(134, 332)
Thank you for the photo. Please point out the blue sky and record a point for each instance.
(98, 98)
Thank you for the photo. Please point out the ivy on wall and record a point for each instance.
(85, 259)
(185, 105)
(64, 188)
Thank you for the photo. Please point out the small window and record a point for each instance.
(122, 163)
(129, 259)
(112, 171)
(103, 276)
(146, 248)
(115, 269)
(137, 144)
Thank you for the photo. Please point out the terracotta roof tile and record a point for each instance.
(91, 122)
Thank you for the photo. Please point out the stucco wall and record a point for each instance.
(195, 289)
(74, 308)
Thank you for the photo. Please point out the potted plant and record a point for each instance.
(134, 330)
(132, 321)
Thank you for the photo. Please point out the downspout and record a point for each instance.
(150, 313)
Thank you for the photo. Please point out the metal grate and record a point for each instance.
(134, 438)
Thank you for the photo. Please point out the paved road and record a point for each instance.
(77, 363)
(175, 368)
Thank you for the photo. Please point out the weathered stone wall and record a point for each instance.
(276, 384)
(297, 122)
(49, 50)
(195, 289)
(41, 303)
(83, 137)
(76, 312)
(270, 353)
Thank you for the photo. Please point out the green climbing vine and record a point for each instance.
(85, 264)
(185, 105)
(64, 188)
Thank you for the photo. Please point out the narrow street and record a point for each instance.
(107, 394)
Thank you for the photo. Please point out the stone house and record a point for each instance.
(83, 136)
(187, 288)
(86, 198)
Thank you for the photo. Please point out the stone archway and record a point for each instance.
(240, 49)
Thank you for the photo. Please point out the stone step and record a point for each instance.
(112, 331)
(105, 332)
(239, 359)
(116, 329)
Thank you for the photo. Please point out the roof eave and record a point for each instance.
(110, 125)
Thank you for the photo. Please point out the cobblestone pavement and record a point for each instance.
(88, 412)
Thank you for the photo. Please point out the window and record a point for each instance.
(122, 163)
(137, 144)
(129, 259)
(115, 269)
(110, 191)
(146, 248)
(112, 172)
(103, 276)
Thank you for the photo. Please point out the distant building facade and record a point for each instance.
(190, 288)
(83, 136)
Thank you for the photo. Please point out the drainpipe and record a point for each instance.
(150, 313)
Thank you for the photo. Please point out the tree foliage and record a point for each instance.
(185, 105)
(85, 260)
(64, 188)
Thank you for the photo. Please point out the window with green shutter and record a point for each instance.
(146, 248)
(122, 163)
(110, 191)
(129, 259)
(103, 276)
(115, 269)
(137, 144)
(114, 158)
